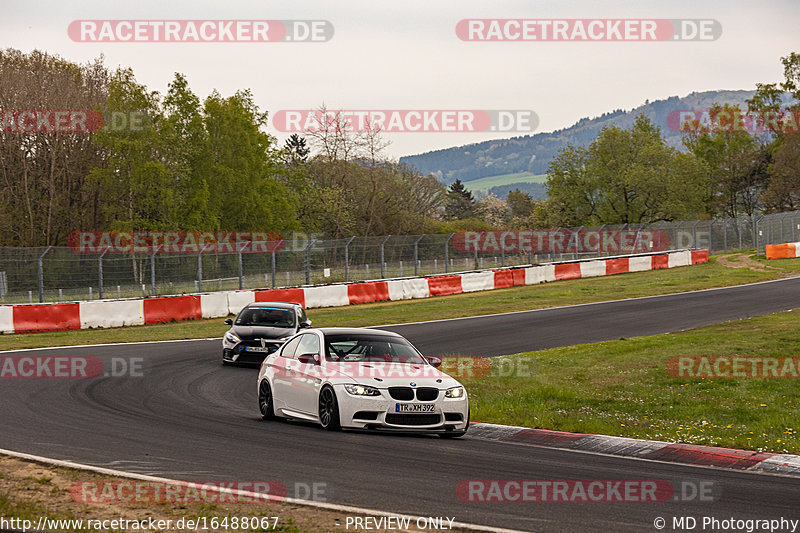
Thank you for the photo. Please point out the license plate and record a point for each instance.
(256, 349)
(413, 408)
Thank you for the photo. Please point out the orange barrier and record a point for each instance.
(781, 251)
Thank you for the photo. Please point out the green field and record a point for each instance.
(484, 184)
(622, 388)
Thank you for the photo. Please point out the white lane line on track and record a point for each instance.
(237, 492)
(428, 321)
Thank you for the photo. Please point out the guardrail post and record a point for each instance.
(199, 269)
(241, 267)
(41, 275)
(447, 253)
(275, 249)
(100, 272)
(153, 271)
(347, 259)
(383, 264)
(308, 261)
(416, 254)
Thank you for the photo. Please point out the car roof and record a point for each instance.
(357, 331)
(284, 305)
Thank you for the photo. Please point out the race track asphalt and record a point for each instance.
(188, 417)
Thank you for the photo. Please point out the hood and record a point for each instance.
(261, 332)
(383, 375)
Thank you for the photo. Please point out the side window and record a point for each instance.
(309, 343)
(290, 347)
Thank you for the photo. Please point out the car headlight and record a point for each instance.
(362, 390)
(232, 338)
(455, 392)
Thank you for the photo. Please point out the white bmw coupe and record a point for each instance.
(361, 379)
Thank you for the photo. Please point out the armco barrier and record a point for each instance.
(6, 319)
(617, 266)
(361, 293)
(326, 296)
(157, 310)
(590, 269)
(477, 281)
(568, 271)
(660, 261)
(443, 285)
(407, 289)
(113, 313)
(783, 251)
(540, 274)
(640, 264)
(699, 256)
(214, 304)
(295, 296)
(47, 317)
(238, 299)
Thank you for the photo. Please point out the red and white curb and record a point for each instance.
(689, 454)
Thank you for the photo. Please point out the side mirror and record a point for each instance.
(305, 324)
(309, 359)
(435, 362)
(229, 321)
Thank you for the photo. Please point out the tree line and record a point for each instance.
(186, 163)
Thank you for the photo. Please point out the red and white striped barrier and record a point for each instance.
(116, 313)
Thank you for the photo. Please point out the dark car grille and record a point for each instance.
(427, 394)
(404, 394)
(453, 417)
(403, 419)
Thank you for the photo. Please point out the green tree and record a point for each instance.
(460, 203)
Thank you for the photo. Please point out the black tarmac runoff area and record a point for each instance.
(183, 415)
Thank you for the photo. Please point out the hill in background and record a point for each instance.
(499, 166)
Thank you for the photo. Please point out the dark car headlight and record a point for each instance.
(232, 338)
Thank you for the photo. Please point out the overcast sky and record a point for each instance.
(406, 55)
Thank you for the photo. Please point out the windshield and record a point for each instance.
(266, 316)
(372, 348)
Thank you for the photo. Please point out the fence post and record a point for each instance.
(383, 264)
(153, 271)
(755, 233)
(447, 253)
(725, 234)
(308, 261)
(694, 234)
(241, 268)
(347, 259)
(416, 254)
(199, 269)
(100, 272)
(275, 249)
(41, 275)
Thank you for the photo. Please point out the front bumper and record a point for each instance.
(379, 412)
(242, 352)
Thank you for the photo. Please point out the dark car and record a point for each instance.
(260, 329)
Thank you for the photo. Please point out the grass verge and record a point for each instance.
(559, 293)
(30, 490)
(622, 388)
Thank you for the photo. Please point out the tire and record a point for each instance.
(328, 410)
(456, 434)
(265, 403)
